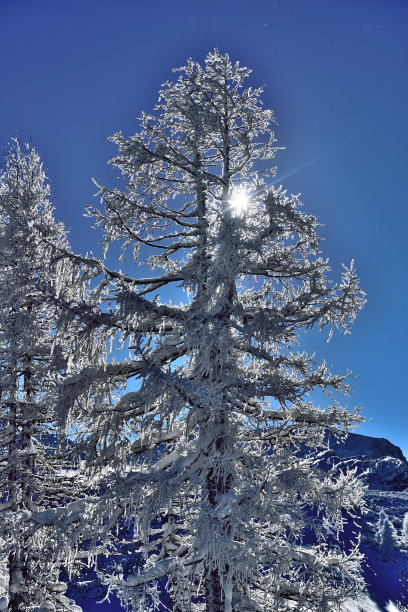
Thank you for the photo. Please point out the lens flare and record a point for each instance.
(239, 202)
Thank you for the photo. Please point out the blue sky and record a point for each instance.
(335, 73)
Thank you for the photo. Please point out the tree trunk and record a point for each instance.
(17, 594)
(217, 486)
(214, 596)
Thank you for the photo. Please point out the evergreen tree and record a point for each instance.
(36, 474)
(380, 525)
(207, 443)
(387, 539)
(386, 536)
(404, 531)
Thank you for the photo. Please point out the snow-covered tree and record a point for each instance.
(386, 537)
(212, 441)
(404, 532)
(36, 473)
(379, 525)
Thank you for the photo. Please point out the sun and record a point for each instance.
(239, 202)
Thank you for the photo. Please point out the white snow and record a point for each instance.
(365, 604)
(45, 606)
(391, 607)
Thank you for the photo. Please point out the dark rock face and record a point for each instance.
(380, 464)
(357, 445)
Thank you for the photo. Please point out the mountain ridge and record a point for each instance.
(373, 447)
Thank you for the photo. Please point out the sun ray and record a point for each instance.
(239, 201)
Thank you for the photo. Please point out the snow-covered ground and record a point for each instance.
(365, 604)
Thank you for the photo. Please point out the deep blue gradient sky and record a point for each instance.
(335, 73)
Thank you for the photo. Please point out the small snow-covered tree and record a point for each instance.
(387, 539)
(404, 532)
(208, 442)
(379, 526)
(36, 474)
(385, 535)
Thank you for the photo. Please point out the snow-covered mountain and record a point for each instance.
(384, 469)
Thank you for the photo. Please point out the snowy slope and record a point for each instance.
(366, 604)
(384, 469)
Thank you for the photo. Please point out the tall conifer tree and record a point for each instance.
(211, 443)
(35, 473)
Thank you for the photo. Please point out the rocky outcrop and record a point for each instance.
(379, 463)
(357, 445)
